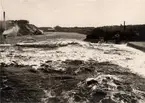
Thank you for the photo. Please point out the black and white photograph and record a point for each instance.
(72, 51)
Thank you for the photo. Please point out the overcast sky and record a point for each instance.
(76, 12)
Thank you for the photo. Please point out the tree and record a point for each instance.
(22, 21)
(58, 28)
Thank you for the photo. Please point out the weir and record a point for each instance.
(137, 45)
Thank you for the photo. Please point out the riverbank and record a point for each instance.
(71, 83)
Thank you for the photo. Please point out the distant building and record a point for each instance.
(47, 29)
(50, 29)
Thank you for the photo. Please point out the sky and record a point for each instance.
(75, 12)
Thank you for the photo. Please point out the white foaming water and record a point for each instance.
(77, 50)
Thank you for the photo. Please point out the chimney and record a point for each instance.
(4, 15)
(124, 26)
(4, 19)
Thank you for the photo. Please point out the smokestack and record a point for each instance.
(2, 28)
(4, 16)
(124, 26)
(4, 19)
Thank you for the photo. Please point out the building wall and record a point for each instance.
(13, 31)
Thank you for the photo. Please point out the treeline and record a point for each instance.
(122, 33)
(125, 32)
(82, 30)
(123, 28)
